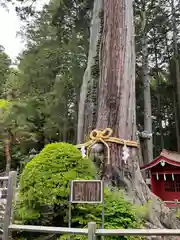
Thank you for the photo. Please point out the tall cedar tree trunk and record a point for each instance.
(175, 106)
(108, 100)
(175, 112)
(177, 71)
(159, 114)
(148, 143)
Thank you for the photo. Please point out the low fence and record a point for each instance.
(8, 196)
(173, 204)
(93, 233)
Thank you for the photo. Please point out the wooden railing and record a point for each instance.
(9, 196)
(92, 232)
(175, 203)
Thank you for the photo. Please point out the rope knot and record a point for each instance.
(99, 135)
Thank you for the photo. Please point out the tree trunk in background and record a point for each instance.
(111, 54)
(7, 153)
(7, 146)
(159, 115)
(148, 143)
(177, 70)
(88, 100)
(175, 107)
(176, 120)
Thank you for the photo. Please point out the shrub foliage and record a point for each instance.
(45, 188)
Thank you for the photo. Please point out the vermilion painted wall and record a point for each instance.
(171, 196)
(158, 186)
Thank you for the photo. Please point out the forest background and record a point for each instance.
(40, 96)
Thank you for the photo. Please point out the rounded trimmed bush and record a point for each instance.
(46, 178)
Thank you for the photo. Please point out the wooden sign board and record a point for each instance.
(86, 191)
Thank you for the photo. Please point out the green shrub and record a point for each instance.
(45, 179)
(44, 192)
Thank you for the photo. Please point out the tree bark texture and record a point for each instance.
(116, 95)
(115, 102)
(159, 115)
(88, 100)
(148, 143)
(177, 120)
(175, 106)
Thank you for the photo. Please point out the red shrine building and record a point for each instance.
(164, 174)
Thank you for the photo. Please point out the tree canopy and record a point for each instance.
(46, 85)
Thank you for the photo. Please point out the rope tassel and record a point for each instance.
(125, 153)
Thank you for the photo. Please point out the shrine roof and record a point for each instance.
(172, 158)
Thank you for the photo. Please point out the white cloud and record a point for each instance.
(9, 26)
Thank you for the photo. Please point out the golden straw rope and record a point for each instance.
(104, 137)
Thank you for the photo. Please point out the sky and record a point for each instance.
(9, 26)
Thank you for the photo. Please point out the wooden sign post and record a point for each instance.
(86, 191)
